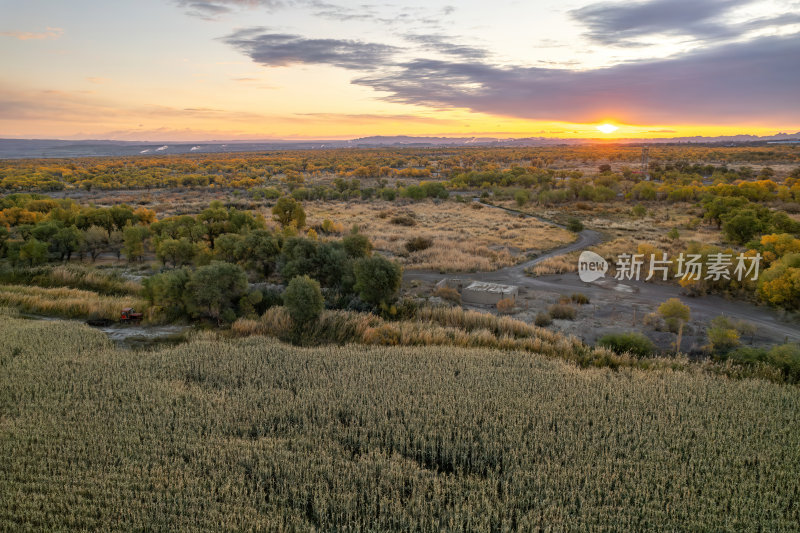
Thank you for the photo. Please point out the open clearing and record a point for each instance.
(463, 238)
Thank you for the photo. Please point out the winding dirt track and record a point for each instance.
(645, 296)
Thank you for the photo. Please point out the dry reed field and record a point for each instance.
(64, 302)
(463, 238)
(252, 434)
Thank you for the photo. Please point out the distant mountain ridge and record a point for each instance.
(53, 148)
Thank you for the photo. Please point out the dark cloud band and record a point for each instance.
(279, 49)
(755, 81)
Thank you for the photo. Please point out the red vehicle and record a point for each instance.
(130, 315)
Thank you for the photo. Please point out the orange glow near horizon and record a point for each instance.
(607, 128)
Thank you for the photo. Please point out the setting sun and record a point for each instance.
(607, 128)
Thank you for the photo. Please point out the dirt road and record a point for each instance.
(644, 296)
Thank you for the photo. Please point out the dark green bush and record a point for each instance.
(575, 225)
(785, 357)
(634, 343)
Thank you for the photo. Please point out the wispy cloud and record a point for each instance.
(280, 49)
(632, 24)
(445, 46)
(211, 9)
(50, 33)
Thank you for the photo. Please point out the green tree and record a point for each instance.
(167, 291)
(377, 279)
(227, 247)
(334, 267)
(179, 252)
(121, 216)
(214, 289)
(716, 208)
(95, 240)
(259, 251)
(66, 241)
(116, 241)
(44, 231)
(298, 258)
(4, 236)
(357, 245)
(133, 238)
(288, 212)
(676, 315)
(742, 226)
(215, 220)
(303, 300)
(34, 252)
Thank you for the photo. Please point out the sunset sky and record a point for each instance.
(310, 69)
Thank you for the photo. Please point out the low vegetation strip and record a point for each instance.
(65, 302)
(254, 434)
(459, 328)
(72, 276)
(441, 327)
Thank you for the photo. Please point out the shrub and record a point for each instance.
(418, 244)
(723, 334)
(722, 339)
(621, 343)
(289, 212)
(329, 226)
(785, 357)
(543, 319)
(377, 279)
(562, 312)
(675, 314)
(506, 305)
(403, 220)
(674, 234)
(449, 294)
(580, 298)
(214, 289)
(574, 225)
(357, 245)
(303, 300)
